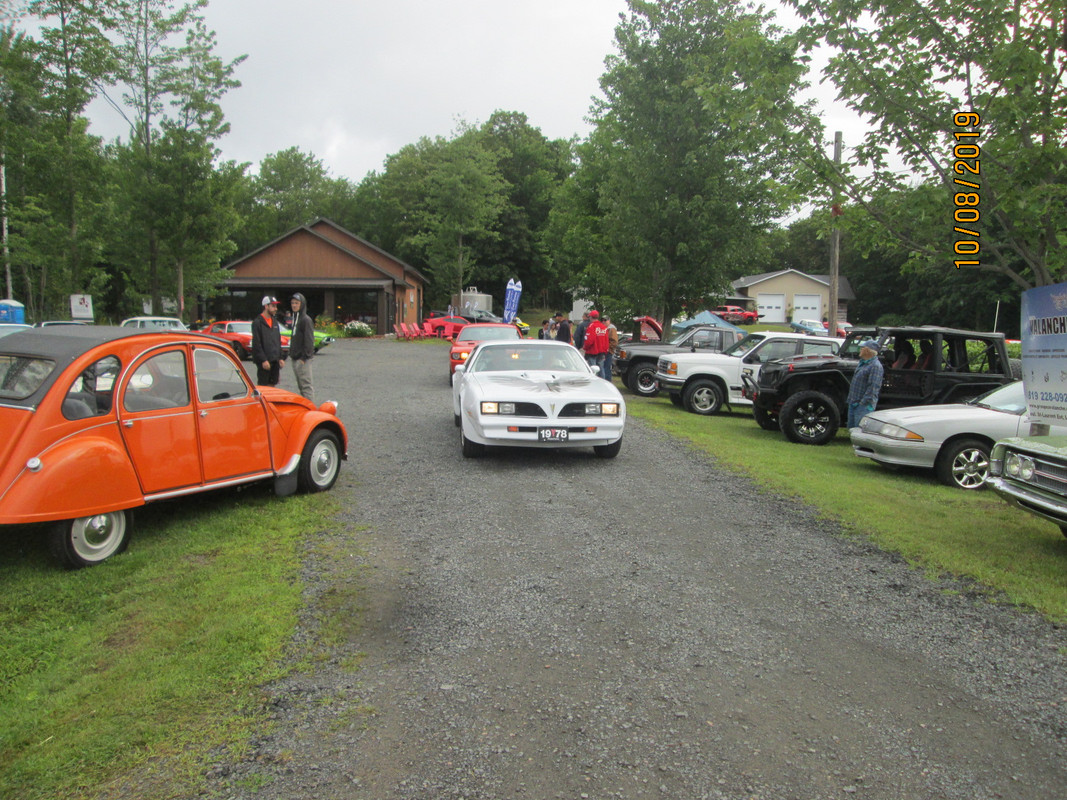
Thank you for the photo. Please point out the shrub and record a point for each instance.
(358, 329)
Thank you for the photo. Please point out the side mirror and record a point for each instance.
(460, 369)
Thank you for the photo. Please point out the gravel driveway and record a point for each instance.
(539, 625)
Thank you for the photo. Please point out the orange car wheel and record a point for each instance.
(320, 462)
(86, 541)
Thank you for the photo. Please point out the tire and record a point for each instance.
(676, 399)
(470, 449)
(702, 397)
(767, 420)
(320, 462)
(238, 351)
(1015, 366)
(87, 541)
(457, 420)
(608, 450)
(963, 464)
(809, 417)
(641, 379)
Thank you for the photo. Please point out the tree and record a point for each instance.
(931, 76)
(691, 153)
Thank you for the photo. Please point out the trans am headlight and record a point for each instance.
(1019, 466)
(602, 409)
(489, 407)
(879, 428)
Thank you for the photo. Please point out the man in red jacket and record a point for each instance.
(596, 343)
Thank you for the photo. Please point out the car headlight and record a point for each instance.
(602, 409)
(489, 407)
(463, 356)
(888, 430)
(1019, 466)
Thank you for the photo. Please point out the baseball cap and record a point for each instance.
(871, 344)
(268, 299)
(594, 313)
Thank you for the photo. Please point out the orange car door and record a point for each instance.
(231, 419)
(157, 422)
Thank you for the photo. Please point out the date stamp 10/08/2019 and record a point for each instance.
(968, 169)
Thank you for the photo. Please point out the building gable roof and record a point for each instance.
(844, 288)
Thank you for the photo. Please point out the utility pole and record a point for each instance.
(835, 244)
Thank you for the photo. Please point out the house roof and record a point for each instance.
(312, 229)
(844, 288)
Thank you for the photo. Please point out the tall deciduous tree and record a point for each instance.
(910, 67)
(691, 154)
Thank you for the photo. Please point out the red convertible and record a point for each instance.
(239, 334)
(101, 420)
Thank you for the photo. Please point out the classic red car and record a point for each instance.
(736, 315)
(239, 334)
(101, 420)
(468, 337)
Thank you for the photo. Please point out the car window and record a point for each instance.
(91, 392)
(217, 377)
(1010, 399)
(21, 376)
(777, 349)
(745, 345)
(982, 357)
(239, 327)
(819, 348)
(472, 334)
(522, 359)
(705, 338)
(160, 382)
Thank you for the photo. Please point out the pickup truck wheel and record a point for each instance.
(767, 420)
(809, 417)
(641, 378)
(964, 464)
(703, 397)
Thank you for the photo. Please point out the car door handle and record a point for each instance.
(203, 413)
(127, 423)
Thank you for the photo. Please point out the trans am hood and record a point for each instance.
(566, 384)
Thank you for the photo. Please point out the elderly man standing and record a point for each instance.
(866, 384)
(302, 346)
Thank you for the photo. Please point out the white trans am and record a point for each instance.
(535, 394)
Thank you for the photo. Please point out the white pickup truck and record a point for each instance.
(704, 382)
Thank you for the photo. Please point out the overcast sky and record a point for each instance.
(353, 81)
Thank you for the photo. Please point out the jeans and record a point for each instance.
(856, 412)
(596, 361)
(605, 368)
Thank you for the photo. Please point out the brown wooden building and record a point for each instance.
(342, 276)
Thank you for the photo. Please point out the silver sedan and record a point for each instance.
(954, 440)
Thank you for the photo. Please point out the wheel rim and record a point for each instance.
(324, 462)
(970, 468)
(98, 537)
(646, 381)
(704, 399)
(811, 419)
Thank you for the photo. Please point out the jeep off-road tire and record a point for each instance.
(641, 379)
(767, 420)
(703, 397)
(809, 417)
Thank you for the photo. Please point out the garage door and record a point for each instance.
(807, 306)
(771, 307)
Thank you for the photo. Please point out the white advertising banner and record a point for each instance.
(81, 307)
(1044, 336)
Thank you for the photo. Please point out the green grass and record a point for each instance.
(973, 535)
(153, 657)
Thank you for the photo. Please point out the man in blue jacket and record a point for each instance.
(866, 384)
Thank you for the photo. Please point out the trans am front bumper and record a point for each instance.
(546, 431)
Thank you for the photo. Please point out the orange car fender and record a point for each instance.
(75, 477)
(302, 429)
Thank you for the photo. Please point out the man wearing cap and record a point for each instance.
(302, 346)
(866, 384)
(563, 328)
(267, 343)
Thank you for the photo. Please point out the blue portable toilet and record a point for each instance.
(12, 311)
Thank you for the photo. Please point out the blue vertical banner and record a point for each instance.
(1044, 329)
(511, 299)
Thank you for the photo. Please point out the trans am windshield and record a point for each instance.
(528, 358)
(21, 376)
(484, 334)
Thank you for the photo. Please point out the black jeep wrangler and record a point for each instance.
(804, 396)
